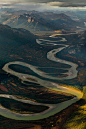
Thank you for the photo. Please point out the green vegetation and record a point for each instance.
(78, 119)
(84, 92)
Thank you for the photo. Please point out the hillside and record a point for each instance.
(39, 21)
(18, 35)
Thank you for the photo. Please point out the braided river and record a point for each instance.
(52, 108)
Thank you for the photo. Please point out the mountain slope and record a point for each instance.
(19, 35)
(41, 21)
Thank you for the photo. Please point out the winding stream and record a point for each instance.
(53, 108)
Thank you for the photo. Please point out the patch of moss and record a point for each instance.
(78, 119)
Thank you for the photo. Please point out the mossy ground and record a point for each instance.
(78, 119)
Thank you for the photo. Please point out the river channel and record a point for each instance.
(53, 108)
